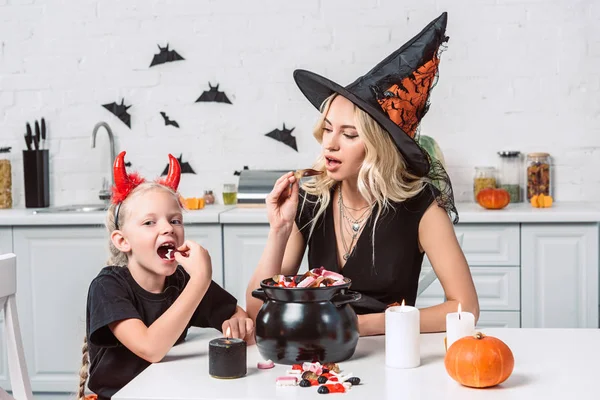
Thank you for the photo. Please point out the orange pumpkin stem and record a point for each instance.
(479, 335)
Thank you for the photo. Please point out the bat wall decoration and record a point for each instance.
(128, 164)
(186, 168)
(120, 110)
(169, 121)
(5, 149)
(213, 95)
(284, 136)
(164, 56)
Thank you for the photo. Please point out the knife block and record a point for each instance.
(36, 173)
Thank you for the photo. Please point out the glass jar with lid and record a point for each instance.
(538, 174)
(510, 174)
(5, 178)
(485, 177)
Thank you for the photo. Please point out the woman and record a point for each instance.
(382, 203)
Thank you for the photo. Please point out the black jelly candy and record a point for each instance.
(304, 383)
(355, 380)
(323, 390)
(322, 379)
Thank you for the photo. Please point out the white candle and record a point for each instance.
(402, 337)
(459, 325)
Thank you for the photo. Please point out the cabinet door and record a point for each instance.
(497, 288)
(559, 276)
(488, 244)
(209, 237)
(499, 319)
(6, 246)
(243, 246)
(55, 266)
(6, 240)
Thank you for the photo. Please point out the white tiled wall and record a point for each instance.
(517, 74)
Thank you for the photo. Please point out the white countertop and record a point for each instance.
(468, 213)
(25, 216)
(549, 364)
(568, 212)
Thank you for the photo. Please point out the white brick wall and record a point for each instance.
(519, 75)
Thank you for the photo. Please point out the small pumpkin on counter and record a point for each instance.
(493, 199)
(541, 201)
(479, 361)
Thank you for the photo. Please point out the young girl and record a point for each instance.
(156, 286)
(382, 202)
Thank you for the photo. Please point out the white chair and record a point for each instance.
(17, 369)
(427, 278)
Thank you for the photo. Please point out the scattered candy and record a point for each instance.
(355, 380)
(265, 364)
(327, 377)
(286, 381)
(309, 375)
(332, 367)
(304, 383)
(335, 388)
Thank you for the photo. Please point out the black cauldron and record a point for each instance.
(306, 324)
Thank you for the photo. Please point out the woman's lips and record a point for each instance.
(332, 164)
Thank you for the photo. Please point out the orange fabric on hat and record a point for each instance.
(407, 101)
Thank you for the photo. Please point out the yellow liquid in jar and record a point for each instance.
(229, 198)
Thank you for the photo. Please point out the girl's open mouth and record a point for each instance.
(166, 251)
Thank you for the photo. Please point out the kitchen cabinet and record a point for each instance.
(242, 248)
(491, 250)
(55, 266)
(559, 272)
(6, 245)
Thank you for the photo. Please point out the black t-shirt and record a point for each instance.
(395, 274)
(113, 296)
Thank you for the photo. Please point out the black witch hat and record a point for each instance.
(395, 93)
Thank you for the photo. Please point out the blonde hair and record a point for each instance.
(117, 257)
(383, 176)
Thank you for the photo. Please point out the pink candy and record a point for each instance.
(265, 364)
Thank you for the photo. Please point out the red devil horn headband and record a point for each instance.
(125, 183)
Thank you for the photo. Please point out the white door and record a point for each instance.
(559, 276)
(55, 266)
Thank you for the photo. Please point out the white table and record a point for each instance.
(549, 364)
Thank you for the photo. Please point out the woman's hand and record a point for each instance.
(196, 261)
(282, 202)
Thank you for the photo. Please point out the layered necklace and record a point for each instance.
(350, 225)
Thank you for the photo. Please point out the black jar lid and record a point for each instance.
(509, 153)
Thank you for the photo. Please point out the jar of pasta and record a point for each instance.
(538, 174)
(485, 177)
(5, 179)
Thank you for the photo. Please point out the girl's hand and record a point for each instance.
(195, 260)
(239, 327)
(282, 203)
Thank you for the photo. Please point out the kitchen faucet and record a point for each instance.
(105, 193)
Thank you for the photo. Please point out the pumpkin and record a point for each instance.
(541, 201)
(493, 199)
(479, 361)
